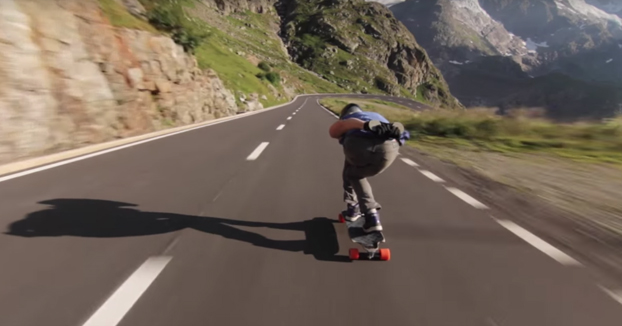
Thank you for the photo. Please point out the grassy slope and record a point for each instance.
(119, 16)
(231, 36)
(226, 36)
(481, 130)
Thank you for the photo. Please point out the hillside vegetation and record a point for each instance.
(306, 47)
(233, 46)
(483, 130)
(362, 47)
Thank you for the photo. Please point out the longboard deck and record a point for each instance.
(370, 240)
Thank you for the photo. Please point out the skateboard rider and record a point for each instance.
(370, 144)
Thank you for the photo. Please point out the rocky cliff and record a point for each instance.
(568, 36)
(68, 78)
(502, 52)
(361, 45)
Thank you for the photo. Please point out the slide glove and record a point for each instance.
(384, 130)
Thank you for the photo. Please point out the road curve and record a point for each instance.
(235, 224)
(412, 104)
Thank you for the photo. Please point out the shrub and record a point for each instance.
(264, 66)
(169, 16)
(273, 77)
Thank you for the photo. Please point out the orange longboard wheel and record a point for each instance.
(354, 254)
(341, 219)
(385, 254)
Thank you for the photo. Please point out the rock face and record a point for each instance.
(457, 30)
(229, 6)
(68, 78)
(134, 7)
(502, 52)
(568, 36)
(356, 44)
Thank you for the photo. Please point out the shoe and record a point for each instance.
(352, 213)
(372, 222)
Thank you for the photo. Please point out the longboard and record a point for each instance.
(369, 241)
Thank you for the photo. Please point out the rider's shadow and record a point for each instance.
(109, 219)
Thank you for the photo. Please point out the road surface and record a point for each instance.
(236, 224)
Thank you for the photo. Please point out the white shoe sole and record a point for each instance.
(353, 219)
(375, 228)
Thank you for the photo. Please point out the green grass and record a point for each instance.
(120, 17)
(216, 48)
(482, 130)
(236, 72)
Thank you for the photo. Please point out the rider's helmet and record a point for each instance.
(349, 109)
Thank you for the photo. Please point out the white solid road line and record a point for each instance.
(410, 162)
(114, 149)
(120, 302)
(432, 176)
(255, 154)
(540, 244)
(280, 127)
(327, 110)
(465, 197)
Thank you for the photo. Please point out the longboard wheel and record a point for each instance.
(354, 254)
(385, 254)
(341, 218)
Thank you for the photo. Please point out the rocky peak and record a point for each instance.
(457, 30)
(364, 44)
(491, 49)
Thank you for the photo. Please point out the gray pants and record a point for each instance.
(365, 157)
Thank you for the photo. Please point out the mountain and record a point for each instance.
(79, 72)
(501, 52)
(360, 45)
(608, 6)
(355, 45)
(571, 36)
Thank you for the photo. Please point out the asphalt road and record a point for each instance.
(202, 228)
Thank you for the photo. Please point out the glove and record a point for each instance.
(383, 129)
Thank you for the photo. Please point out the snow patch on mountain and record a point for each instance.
(588, 11)
(387, 3)
(471, 14)
(533, 46)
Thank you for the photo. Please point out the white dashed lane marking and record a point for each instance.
(540, 244)
(255, 154)
(410, 162)
(432, 176)
(120, 302)
(465, 197)
(280, 127)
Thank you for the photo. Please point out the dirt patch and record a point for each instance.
(572, 206)
(253, 59)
